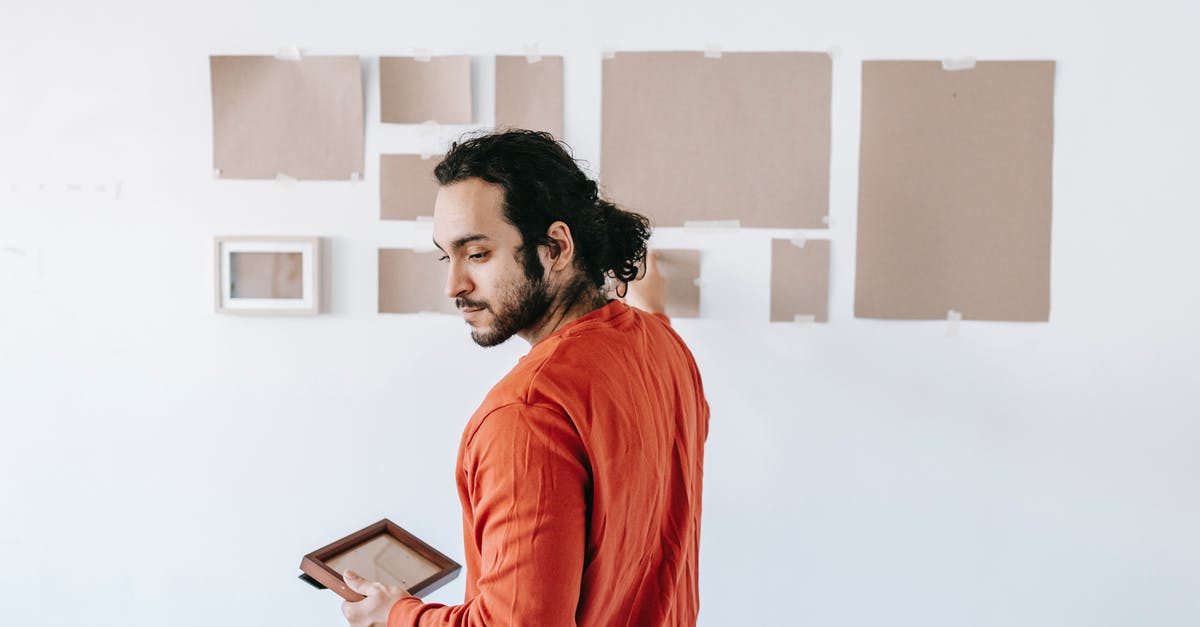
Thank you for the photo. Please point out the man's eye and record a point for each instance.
(478, 256)
(444, 258)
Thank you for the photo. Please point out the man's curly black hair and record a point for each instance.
(543, 184)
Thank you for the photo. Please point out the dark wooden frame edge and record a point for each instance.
(314, 564)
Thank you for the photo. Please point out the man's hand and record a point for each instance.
(373, 610)
(649, 293)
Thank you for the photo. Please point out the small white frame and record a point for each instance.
(225, 246)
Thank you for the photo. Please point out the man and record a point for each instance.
(580, 474)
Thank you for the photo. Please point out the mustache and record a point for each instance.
(463, 303)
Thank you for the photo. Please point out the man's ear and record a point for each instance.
(560, 252)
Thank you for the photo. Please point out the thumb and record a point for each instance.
(357, 583)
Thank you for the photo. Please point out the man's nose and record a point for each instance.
(457, 281)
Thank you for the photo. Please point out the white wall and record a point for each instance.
(161, 464)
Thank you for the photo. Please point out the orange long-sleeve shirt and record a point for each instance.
(580, 480)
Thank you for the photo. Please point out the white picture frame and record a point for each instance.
(294, 287)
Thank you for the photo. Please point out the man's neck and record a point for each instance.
(573, 303)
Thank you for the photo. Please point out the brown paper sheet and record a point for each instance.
(799, 280)
(742, 137)
(407, 187)
(412, 282)
(680, 269)
(530, 95)
(302, 119)
(954, 200)
(437, 90)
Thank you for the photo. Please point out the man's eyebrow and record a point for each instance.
(462, 241)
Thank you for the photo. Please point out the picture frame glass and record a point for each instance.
(274, 275)
(385, 559)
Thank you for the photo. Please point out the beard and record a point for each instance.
(519, 306)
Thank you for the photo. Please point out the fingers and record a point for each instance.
(377, 602)
(352, 580)
(358, 584)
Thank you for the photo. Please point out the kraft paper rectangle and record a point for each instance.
(530, 95)
(681, 269)
(799, 280)
(302, 119)
(407, 187)
(413, 91)
(745, 136)
(412, 282)
(954, 201)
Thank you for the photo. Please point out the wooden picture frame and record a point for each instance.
(267, 275)
(396, 556)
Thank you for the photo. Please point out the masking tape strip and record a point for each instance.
(289, 53)
(958, 64)
(422, 54)
(953, 317)
(712, 224)
(712, 51)
(531, 53)
(609, 52)
(804, 320)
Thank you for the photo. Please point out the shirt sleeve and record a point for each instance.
(528, 481)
